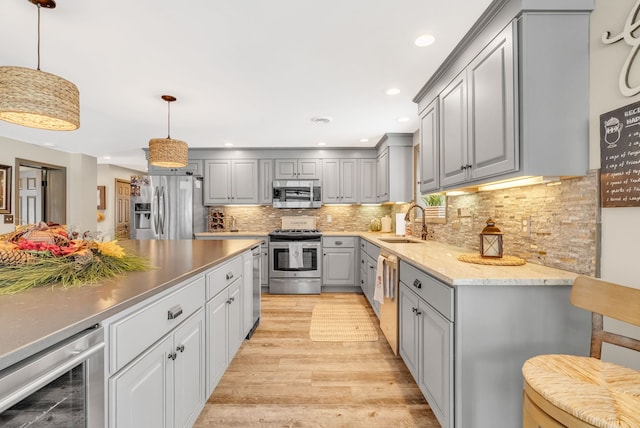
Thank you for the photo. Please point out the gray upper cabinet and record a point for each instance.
(382, 179)
(394, 168)
(194, 167)
(231, 182)
(368, 183)
(298, 169)
(340, 181)
(491, 107)
(429, 150)
(505, 110)
(265, 169)
(453, 132)
(477, 116)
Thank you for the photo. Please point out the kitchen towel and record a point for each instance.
(391, 278)
(378, 293)
(295, 255)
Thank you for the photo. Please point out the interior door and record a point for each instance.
(123, 201)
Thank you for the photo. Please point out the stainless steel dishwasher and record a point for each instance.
(256, 253)
(389, 321)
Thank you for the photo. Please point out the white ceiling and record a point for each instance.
(249, 72)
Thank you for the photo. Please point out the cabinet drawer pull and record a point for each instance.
(174, 312)
(229, 276)
(338, 242)
(417, 283)
(180, 348)
(172, 355)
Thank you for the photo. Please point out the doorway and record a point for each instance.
(122, 211)
(41, 193)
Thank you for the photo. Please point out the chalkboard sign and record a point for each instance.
(620, 157)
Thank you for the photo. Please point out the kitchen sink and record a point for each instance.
(400, 241)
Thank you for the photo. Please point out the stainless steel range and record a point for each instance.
(295, 257)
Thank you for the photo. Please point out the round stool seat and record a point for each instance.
(599, 393)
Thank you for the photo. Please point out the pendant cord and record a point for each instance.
(38, 37)
(168, 120)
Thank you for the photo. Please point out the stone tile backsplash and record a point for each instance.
(562, 219)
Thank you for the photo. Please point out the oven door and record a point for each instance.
(59, 387)
(281, 261)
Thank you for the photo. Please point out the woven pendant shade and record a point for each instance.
(168, 153)
(38, 99)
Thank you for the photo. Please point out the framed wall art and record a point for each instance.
(5, 189)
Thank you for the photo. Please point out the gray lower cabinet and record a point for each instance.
(426, 346)
(224, 328)
(368, 264)
(465, 344)
(338, 263)
(224, 317)
(156, 359)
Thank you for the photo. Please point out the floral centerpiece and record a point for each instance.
(37, 255)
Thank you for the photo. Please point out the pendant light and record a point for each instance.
(167, 152)
(38, 99)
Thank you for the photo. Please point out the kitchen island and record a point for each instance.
(42, 317)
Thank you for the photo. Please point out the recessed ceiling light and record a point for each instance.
(321, 119)
(424, 40)
(393, 91)
(106, 157)
(403, 119)
(228, 144)
(322, 143)
(364, 140)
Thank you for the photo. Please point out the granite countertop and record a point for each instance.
(232, 234)
(38, 318)
(440, 260)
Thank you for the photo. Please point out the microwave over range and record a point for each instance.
(297, 194)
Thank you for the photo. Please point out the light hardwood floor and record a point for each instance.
(280, 378)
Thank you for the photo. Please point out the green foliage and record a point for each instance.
(434, 200)
(66, 272)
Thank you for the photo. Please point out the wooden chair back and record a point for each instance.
(611, 300)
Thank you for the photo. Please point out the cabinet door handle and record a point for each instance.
(229, 276)
(417, 283)
(174, 312)
(232, 298)
(180, 348)
(414, 310)
(172, 355)
(418, 313)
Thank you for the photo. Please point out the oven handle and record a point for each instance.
(48, 377)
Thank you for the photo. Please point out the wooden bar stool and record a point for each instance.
(573, 391)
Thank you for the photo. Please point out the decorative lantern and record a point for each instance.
(491, 241)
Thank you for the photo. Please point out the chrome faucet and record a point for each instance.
(423, 235)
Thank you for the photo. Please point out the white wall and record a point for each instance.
(107, 175)
(81, 179)
(620, 226)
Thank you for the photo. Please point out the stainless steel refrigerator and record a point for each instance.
(167, 207)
